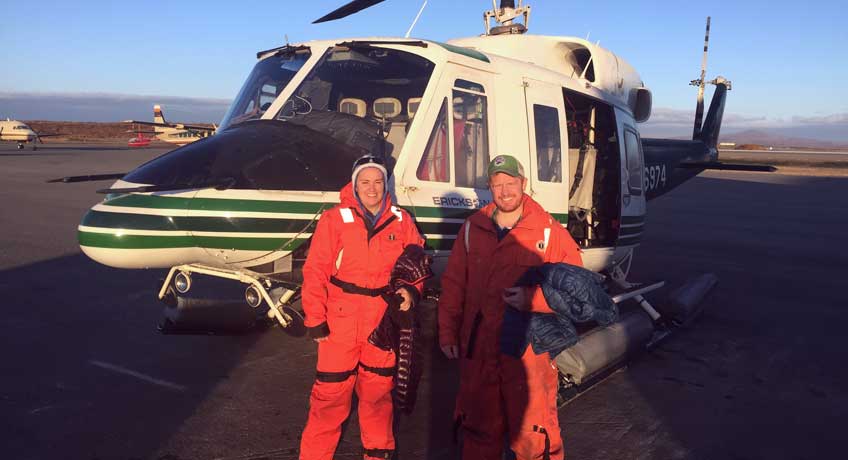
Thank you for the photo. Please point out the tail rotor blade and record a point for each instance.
(699, 108)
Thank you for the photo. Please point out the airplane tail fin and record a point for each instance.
(158, 116)
(712, 124)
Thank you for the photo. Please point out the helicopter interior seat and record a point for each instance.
(581, 173)
(353, 106)
(396, 137)
(391, 110)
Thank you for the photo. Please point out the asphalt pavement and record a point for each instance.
(760, 374)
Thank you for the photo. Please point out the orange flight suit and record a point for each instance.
(501, 395)
(343, 248)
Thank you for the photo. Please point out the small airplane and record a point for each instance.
(16, 131)
(175, 133)
(242, 205)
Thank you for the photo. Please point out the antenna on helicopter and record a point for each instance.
(408, 32)
(505, 16)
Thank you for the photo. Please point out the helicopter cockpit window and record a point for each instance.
(263, 85)
(379, 77)
(634, 162)
(434, 165)
(548, 146)
(470, 86)
(581, 61)
(471, 135)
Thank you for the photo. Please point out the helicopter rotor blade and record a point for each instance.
(218, 184)
(346, 10)
(88, 178)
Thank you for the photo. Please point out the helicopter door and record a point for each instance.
(545, 119)
(446, 182)
(633, 206)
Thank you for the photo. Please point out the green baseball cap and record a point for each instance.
(506, 164)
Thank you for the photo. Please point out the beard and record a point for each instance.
(510, 206)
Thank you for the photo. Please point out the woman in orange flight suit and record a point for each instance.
(350, 260)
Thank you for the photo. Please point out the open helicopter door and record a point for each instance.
(444, 180)
(546, 137)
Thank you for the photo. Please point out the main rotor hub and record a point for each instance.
(506, 16)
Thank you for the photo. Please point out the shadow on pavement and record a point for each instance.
(73, 332)
(759, 374)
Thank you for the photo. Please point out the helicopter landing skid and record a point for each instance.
(618, 276)
(263, 291)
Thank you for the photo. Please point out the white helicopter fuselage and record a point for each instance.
(486, 96)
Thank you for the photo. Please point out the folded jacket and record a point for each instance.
(574, 294)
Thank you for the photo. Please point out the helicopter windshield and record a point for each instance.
(268, 78)
(360, 94)
(254, 155)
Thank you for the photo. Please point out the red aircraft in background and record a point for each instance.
(140, 140)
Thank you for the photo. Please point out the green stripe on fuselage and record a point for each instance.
(119, 241)
(464, 51)
(629, 240)
(626, 231)
(130, 221)
(625, 220)
(291, 207)
(217, 204)
(439, 244)
(439, 228)
(119, 220)
(444, 213)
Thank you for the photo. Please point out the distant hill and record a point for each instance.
(86, 107)
(774, 138)
(84, 131)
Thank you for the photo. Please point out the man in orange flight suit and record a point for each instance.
(350, 260)
(500, 395)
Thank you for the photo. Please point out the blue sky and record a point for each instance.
(786, 59)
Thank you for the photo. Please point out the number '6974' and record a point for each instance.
(654, 177)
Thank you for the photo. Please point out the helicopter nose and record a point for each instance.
(243, 194)
(123, 232)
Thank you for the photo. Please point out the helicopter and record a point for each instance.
(242, 204)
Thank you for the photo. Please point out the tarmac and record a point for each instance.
(760, 374)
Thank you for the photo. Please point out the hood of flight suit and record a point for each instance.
(471, 304)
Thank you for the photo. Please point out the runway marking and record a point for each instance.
(138, 375)
(67, 405)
